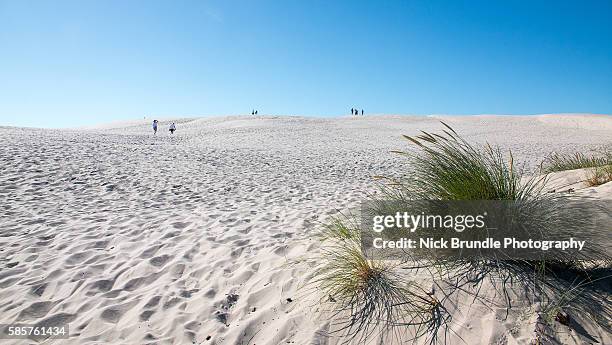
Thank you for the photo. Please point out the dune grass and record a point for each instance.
(599, 168)
(557, 162)
(599, 175)
(372, 297)
(450, 168)
(447, 167)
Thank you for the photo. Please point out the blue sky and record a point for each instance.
(72, 63)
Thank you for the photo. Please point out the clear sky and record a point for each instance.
(73, 63)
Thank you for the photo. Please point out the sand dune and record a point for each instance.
(193, 238)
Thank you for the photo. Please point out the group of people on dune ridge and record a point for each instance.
(356, 111)
(172, 127)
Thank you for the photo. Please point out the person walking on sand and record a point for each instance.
(172, 128)
(361, 112)
(154, 127)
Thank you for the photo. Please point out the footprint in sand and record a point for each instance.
(160, 261)
(36, 310)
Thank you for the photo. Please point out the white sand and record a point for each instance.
(134, 238)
